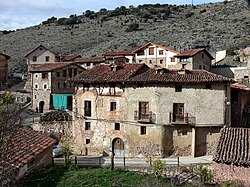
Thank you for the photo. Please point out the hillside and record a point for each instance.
(215, 25)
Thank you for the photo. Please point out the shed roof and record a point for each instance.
(233, 147)
(25, 146)
(48, 67)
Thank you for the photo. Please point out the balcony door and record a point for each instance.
(87, 108)
(178, 112)
(143, 110)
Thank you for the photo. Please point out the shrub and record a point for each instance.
(189, 14)
(133, 27)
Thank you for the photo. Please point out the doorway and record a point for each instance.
(118, 147)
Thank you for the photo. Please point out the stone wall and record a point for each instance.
(235, 174)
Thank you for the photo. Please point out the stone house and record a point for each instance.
(51, 88)
(29, 150)
(4, 67)
(90, 62)
(194, 59)
(155, 55)
(37, 56)
(111, 56)
(132, 110)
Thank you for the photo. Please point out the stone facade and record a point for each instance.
(194, 60)
(4, 67)
(158, 135)
(52, 79)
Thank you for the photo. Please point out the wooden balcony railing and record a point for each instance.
(181, 119)
(149, 117)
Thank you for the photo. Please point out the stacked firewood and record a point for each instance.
(57, 115)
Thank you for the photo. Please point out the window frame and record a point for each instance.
(113, 106)
(143, 130)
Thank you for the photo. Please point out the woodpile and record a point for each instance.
(57, 115)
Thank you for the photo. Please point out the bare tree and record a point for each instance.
(9, 121)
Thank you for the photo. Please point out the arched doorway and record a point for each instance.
(41, 106)
(118, 147)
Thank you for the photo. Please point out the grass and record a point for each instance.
(57, 176)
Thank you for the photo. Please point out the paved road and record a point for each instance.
(134, 162)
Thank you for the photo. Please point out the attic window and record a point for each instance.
(41, 48)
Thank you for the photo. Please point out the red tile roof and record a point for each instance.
(130, 73)
(178, 76)
(6, 56)
(37, 48)
(98, 59)
(233, 147)
(118, 53)
(52, 66)
(109, 73)
(68, 58)
(158, 45)
(240, 87)
(192, 52)
(25, 145)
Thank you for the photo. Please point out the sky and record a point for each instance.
(24, 13)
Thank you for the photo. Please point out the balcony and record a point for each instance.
(149, 117)
(178, 119)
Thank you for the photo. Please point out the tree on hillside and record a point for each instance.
(9, 121)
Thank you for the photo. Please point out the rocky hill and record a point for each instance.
(216, 26)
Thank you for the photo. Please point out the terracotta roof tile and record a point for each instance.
(6, 56)
(109, 73)
(136, 73)
(192, 52)
(233, 147)
(25, 145)
(68, 58)
(158, 45)
(51, 66)
(240, 87)
(97, 59)
(118, 53)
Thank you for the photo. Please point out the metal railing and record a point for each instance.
(186, 118)
(149, 117)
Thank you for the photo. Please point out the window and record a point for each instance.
(143, 130)
(87, 108)
(64, 84)
(87, 125)
(36, 86)
(87, 141)
(34, 58)
(112, 106)
(172, 59)
(64, 73)
(143, 110)
(36, 76)
(161, 61)
(178, 112)
(75, 72)
(202, 56)
(204, 67)
(58, 74)
(183, 66)
(117, 126)
(184, 59)
(199, 66)
(150, 61)
(151, 51)
(88, 64)
(141, 53)
(208, 86)
(44, 75)
(178, 88)
(58, 85)
(160, 52)
(245, 76)
(47, 58)
(45, 86)
(35, 96)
